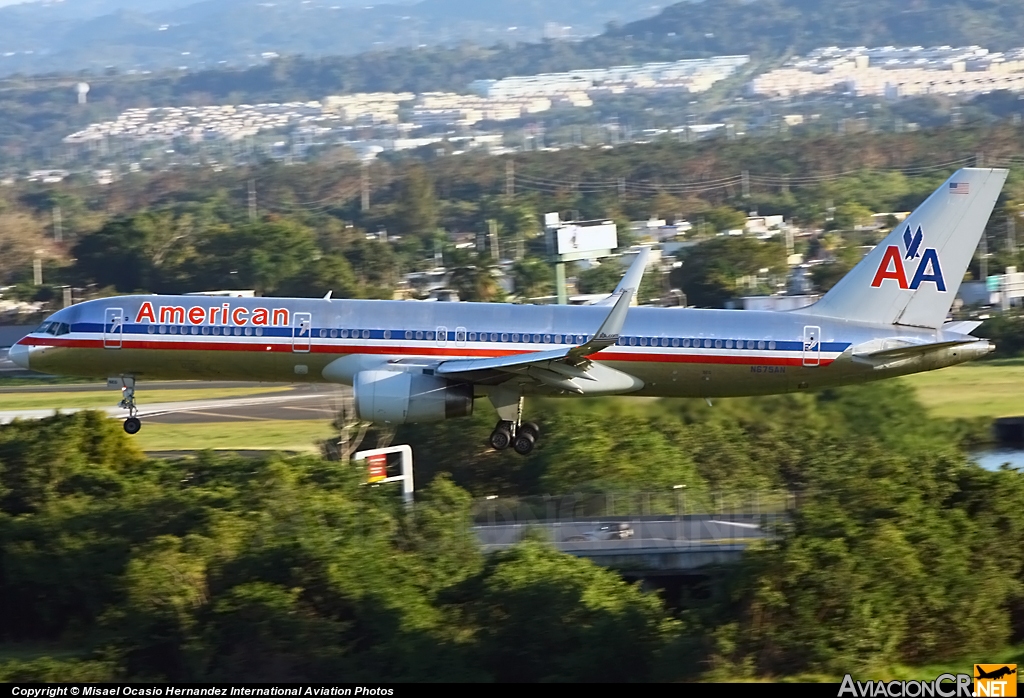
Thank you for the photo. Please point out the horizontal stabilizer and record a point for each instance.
(888, 358)
(962, 327)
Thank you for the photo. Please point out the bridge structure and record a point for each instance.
(641, 535)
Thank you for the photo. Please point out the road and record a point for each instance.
(669, 533)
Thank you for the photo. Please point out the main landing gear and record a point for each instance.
(522, 438)
(133, 423)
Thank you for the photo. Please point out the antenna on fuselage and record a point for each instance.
(328, 296)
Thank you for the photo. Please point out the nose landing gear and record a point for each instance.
(133, 423)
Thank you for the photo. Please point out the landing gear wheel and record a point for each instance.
(524, 442)
(530, 428)
(501, 437)
(132, 425)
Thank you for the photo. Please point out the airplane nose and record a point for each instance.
(19, 355)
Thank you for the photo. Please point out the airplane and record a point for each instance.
(995, 674)
(427, 362)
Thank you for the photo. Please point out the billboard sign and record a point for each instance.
(579, 239)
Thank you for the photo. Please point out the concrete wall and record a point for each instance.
(9, 334)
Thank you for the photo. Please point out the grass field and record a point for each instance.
(279, 435)
(984, 389)
(110, 398)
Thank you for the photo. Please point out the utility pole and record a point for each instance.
(58, 225)
(365, 186)
(510, 178)
(252, 200)
(746, 184)
(37, 270)
(984, 257)
(622, 186)
(492, 227)
(979, 160)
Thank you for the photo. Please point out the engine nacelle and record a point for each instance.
(398, 397)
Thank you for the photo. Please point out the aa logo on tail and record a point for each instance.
(894, 267)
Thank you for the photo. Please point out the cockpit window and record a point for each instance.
(54, 328)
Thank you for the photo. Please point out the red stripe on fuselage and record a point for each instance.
(454, 352)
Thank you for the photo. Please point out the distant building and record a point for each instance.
(773, 302)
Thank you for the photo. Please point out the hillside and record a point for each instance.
(778, 26)
(97, 34)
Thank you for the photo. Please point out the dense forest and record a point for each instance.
(117, 566)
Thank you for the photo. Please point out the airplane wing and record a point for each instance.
(568, 368)
(631, 279)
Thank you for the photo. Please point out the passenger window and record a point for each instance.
(248, 332)
(632, 341)
(259, 332)
(547, 339)
(387, 334)
(195, 329)
(771, 346)
(152, 329)
(675, 342)
(728, 344)
(472, 336)
(408, 334)
(366, 334)
(419, 334)
(334, 334)
(536, 338)
(760, 345)
(515, 337)
(216, 330)
(504, 336)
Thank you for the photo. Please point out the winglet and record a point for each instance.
(608, 333)
(631, 279)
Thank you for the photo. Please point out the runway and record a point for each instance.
(279, 402)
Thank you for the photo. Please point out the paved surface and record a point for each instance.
(668, 532)
(298, 402)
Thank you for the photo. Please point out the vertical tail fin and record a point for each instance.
(912, 277)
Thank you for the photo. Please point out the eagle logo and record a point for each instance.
(913, 242)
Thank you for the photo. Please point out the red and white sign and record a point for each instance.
(377, 467)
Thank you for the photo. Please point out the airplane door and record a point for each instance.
(113, 328)
(302, 332)
(812, 346)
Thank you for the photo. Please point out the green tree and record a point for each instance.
(542, 603)
(417, 205)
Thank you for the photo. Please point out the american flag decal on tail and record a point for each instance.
(959, 188)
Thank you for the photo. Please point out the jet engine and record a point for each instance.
(398, 397)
